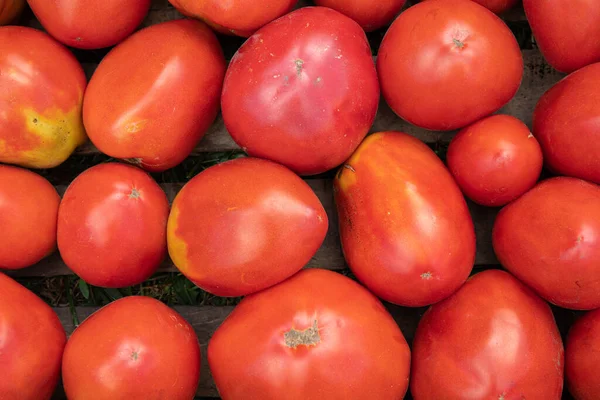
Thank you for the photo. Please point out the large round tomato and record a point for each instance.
(548, 238)
(133, 348)
(318, 335)
(582, 357)
(492, 339)
(41, 92)
(405, 228)
(112, 225)
(302, 92)
(445, 64)
(31, 344)
(370, 14)
(244, 225)
(10, 10)
(154, 112)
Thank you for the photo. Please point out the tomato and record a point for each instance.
(88, 24)
(244, 225)
(548, 238)
(41, 92)
(495, 160)
(302, 92)
(133, 348)
(155, 112)
(371, 15)
(31, 344)
(445, 64)
(318, 335)
(405, 228)
(582, 357)
(112, 225)
(10, 10)
(492, 339)
(497, 6)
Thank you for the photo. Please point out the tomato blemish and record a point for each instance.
(308, 337)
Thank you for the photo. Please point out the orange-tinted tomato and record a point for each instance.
(582, 357)
(10, 10)
(370, 14)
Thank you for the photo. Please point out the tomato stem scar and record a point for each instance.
(307, 337)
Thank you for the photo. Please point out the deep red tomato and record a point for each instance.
(10, 10)
(133, 348)
(244, 225)
(497, 6)
(549, 237)
(405, 228)
(31, 344)
(582, 357)
(318, 335)
(369, 14)
(112, 225)
(445, 64)
(302, 91)
(492, 339)
(495, 160)
(156, 111)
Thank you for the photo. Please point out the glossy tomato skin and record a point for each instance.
(133, 348)
(371, 15)
(302, 92)
(317, 335)
(492, 339)
(112, 225)
(31, 345)
(10, 10)
(582, 356)
(548, 238)
(41, 94)
(495, 160)
(445, 64)
(155, 112)
(405, 228)
(244, 225)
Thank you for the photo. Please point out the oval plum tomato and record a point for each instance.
(492, 339)
(405, 228)
(88, 24)
(155, 112)
(31, 344)
(112, 225)
(497, 6)
(495, 160)
(548, 238)
(41, 95)
(244, 225)
(318, 335)
(10, 10)
(370, 14)
(133, 348)
(582, 357)
(445, 64)
(302, 91)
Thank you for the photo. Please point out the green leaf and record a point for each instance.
(84, 288)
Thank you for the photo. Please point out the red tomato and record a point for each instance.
(244, 225)
(10, 10)
(31, 344)
(112, 225)
(318, 335)
(405, 228)
(497, 6)
(41, 92)
(548, 238)
(302, 92)
(492, 339)
(133, 348)
(495, 160)
(445, 64)
(156, 111)
(369, 14)
(582, 357)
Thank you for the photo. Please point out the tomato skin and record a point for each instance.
(392, 196)
(492, 339)
(31, 345)
(497, 6)
(133, 348)
(129, 105)
(440, 48)
(295, 58)
(112, 225)
(582, 356)
(360, 353)
(244, 225)
(10, 10)
(371, 15)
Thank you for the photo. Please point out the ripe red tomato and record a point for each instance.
(548, 238)
(133, 348)
(318, 335)
(10, 10)
(445, 64)
(244, 225)
(492, 339)
(371, 15)
(156, 111)
(497, 6)
(582, 357)
(31, 344)
(495, 160)
(112, 225)
(405, 228)
(302, 92)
